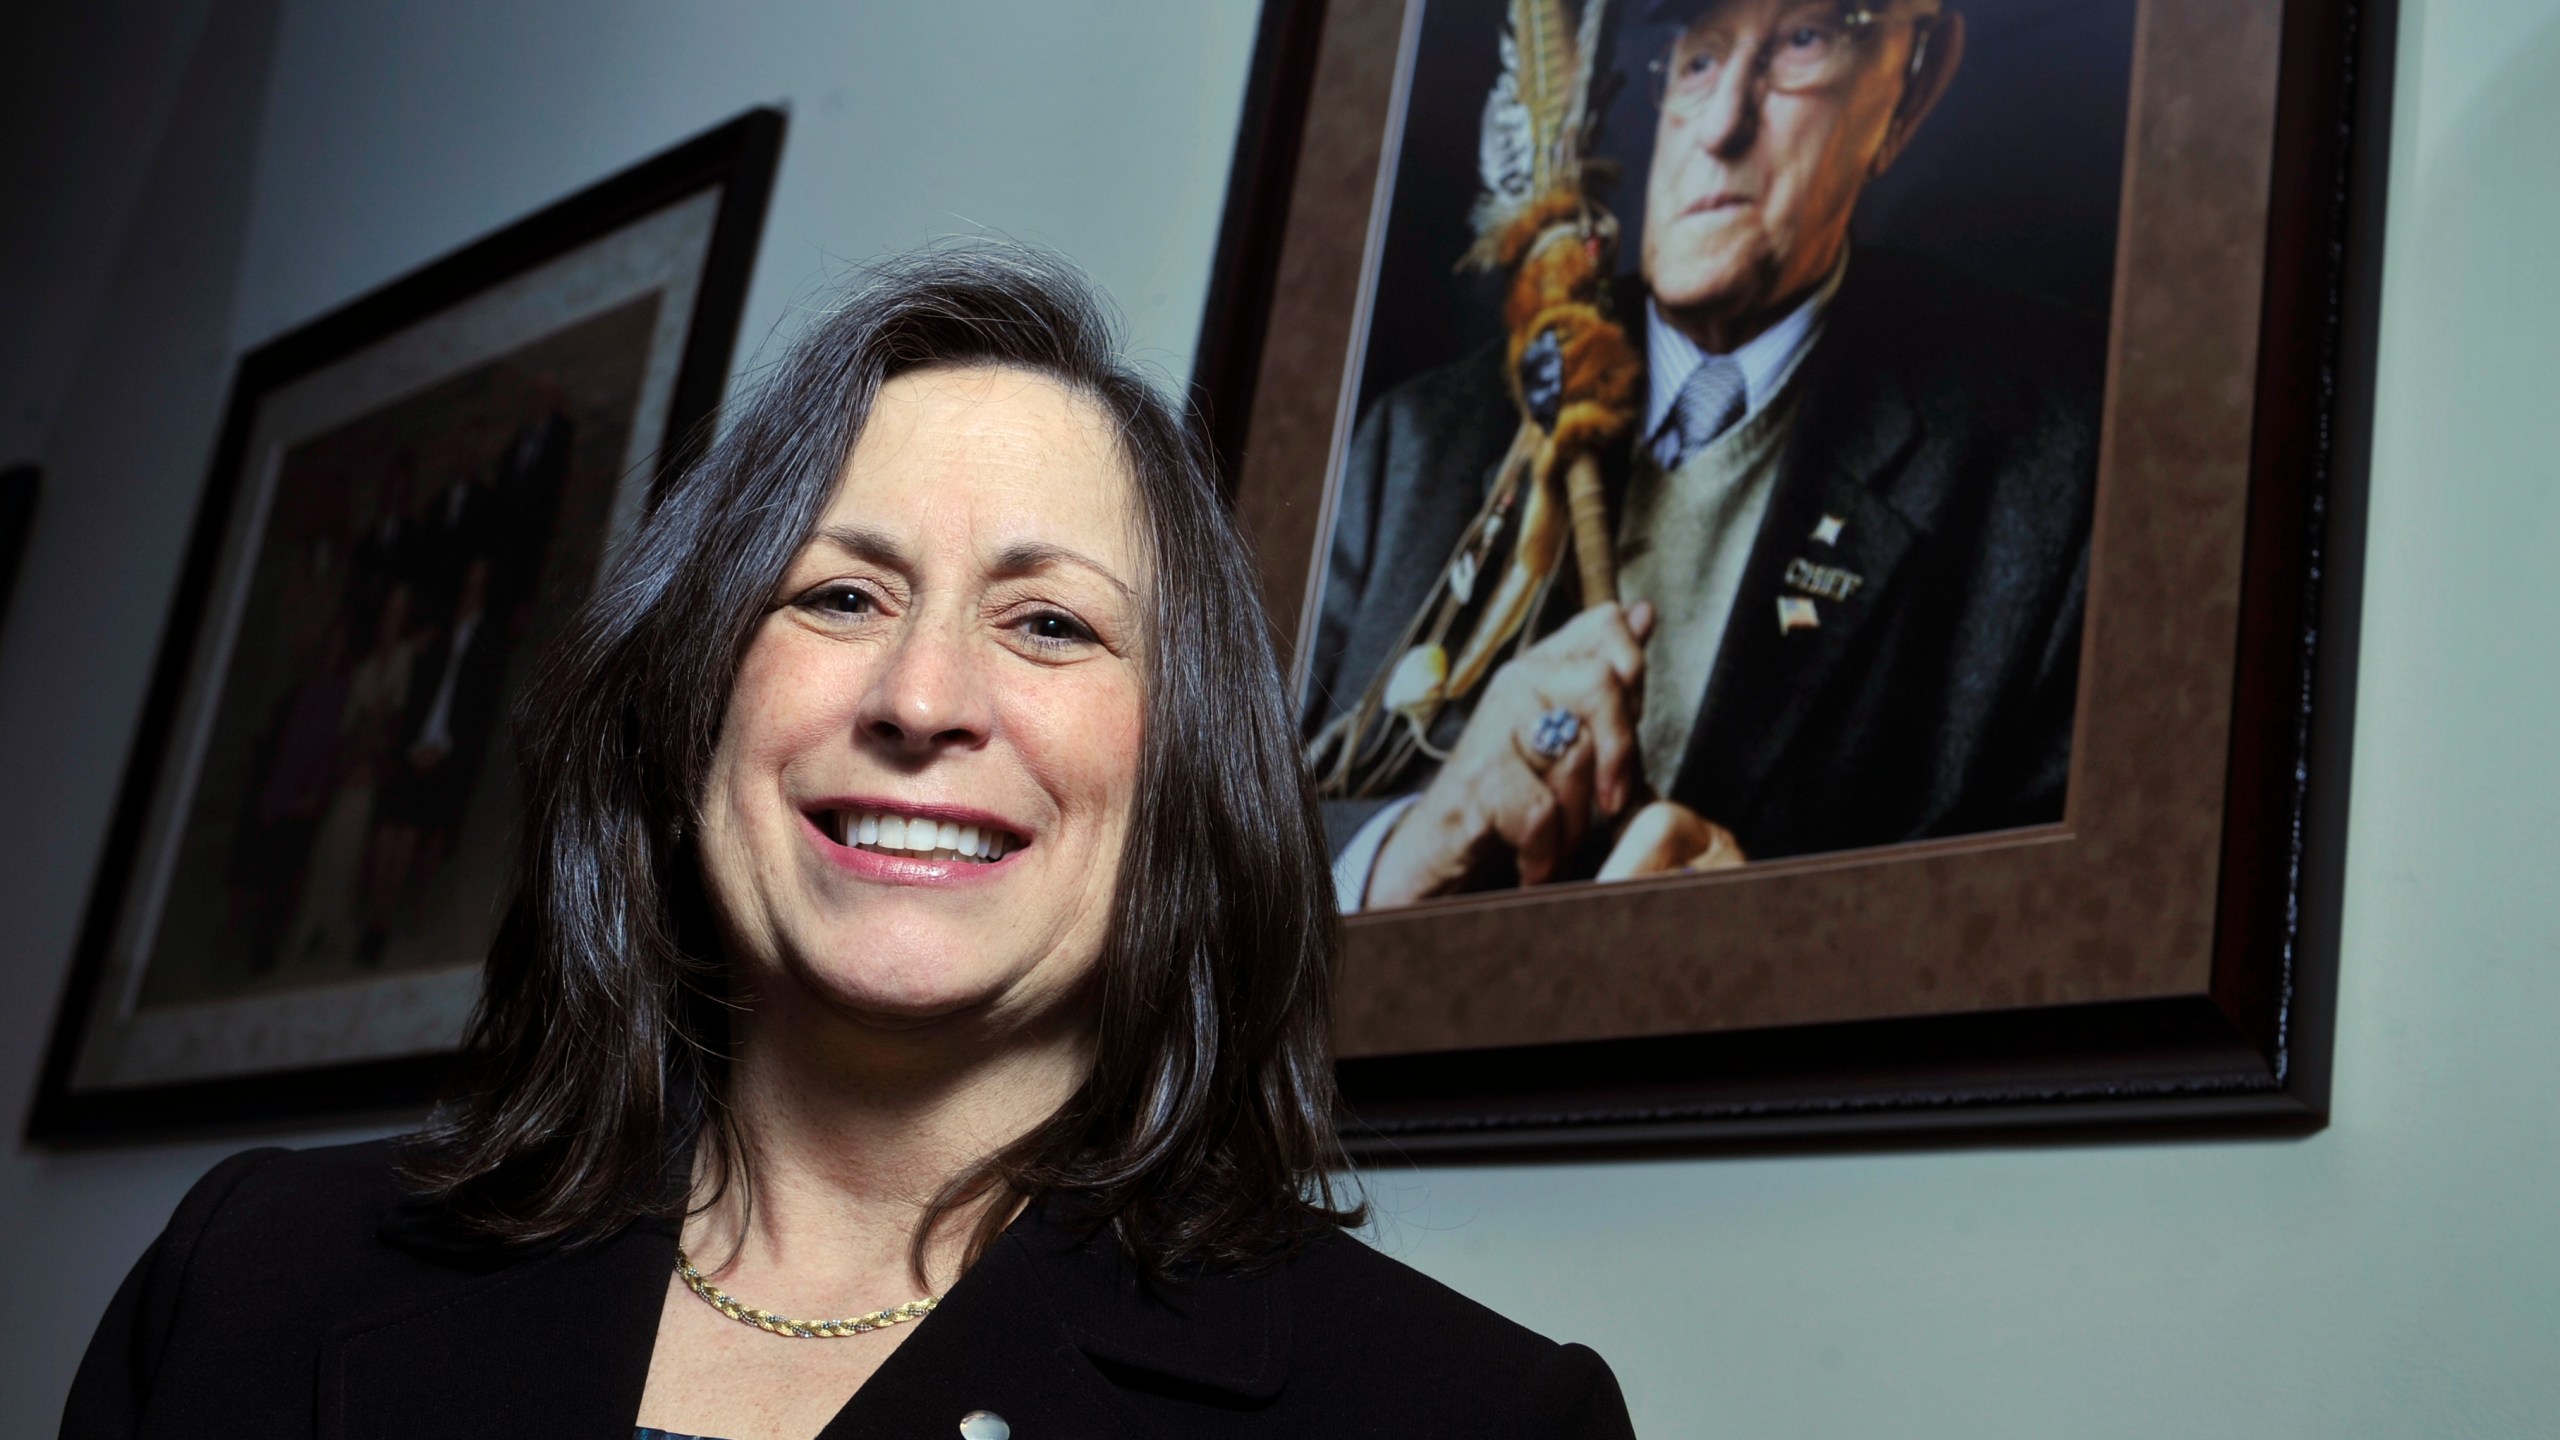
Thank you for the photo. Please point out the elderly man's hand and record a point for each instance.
(1667, 836)
(1523, 781)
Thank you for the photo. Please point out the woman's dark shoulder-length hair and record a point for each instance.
(597, 1055)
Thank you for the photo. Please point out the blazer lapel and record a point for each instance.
(555, 1345)
(1821, 570)
(992, 1345)
(1041, 1331)
(1045, 1326)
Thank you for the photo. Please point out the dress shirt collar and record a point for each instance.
(1767, 359)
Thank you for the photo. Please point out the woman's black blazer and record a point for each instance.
(299, 1293)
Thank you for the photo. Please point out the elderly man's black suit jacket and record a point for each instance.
(298, 1293)
(1953, 429)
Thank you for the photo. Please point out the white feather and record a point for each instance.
(1506, 155)
(1586, 48)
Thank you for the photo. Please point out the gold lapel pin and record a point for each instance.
(1829, 582)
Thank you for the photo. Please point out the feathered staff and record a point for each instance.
(1572, 373)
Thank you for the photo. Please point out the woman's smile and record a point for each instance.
(912, 844)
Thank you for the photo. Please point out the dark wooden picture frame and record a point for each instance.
(2248, 267)
(733, 165)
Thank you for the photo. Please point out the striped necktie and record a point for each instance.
(1710, 400)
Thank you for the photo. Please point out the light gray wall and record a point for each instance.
(2395, 1275)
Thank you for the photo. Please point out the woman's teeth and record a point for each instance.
(921, 839)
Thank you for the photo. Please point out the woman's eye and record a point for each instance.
(841, 600)
(1808, 37)
(1050, 628)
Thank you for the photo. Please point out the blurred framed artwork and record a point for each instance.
(408, 497)
(1802, 526)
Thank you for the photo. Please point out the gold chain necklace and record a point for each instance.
(718, 1299)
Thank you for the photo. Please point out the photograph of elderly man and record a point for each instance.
(1848, 511)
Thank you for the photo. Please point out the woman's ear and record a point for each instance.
(1937, 48)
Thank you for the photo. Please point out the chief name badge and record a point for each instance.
(1826, 582)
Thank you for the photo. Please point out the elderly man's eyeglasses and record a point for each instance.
(1811, 48)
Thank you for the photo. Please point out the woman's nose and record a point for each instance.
(930, 694)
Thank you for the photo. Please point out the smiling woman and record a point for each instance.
(920, 943)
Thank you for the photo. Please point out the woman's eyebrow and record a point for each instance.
(872, 545)
(1029, 557)
(1026, 557)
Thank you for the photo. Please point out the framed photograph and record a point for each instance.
(408, 498)
(1802, 525)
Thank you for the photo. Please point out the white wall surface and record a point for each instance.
(2395, 1275)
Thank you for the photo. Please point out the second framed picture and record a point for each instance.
(1800, 521)
(408, 498)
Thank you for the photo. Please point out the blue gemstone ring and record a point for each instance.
(1556, 732)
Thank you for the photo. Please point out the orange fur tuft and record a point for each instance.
(1602, 372)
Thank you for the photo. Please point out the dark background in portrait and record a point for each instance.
(2015, 177)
